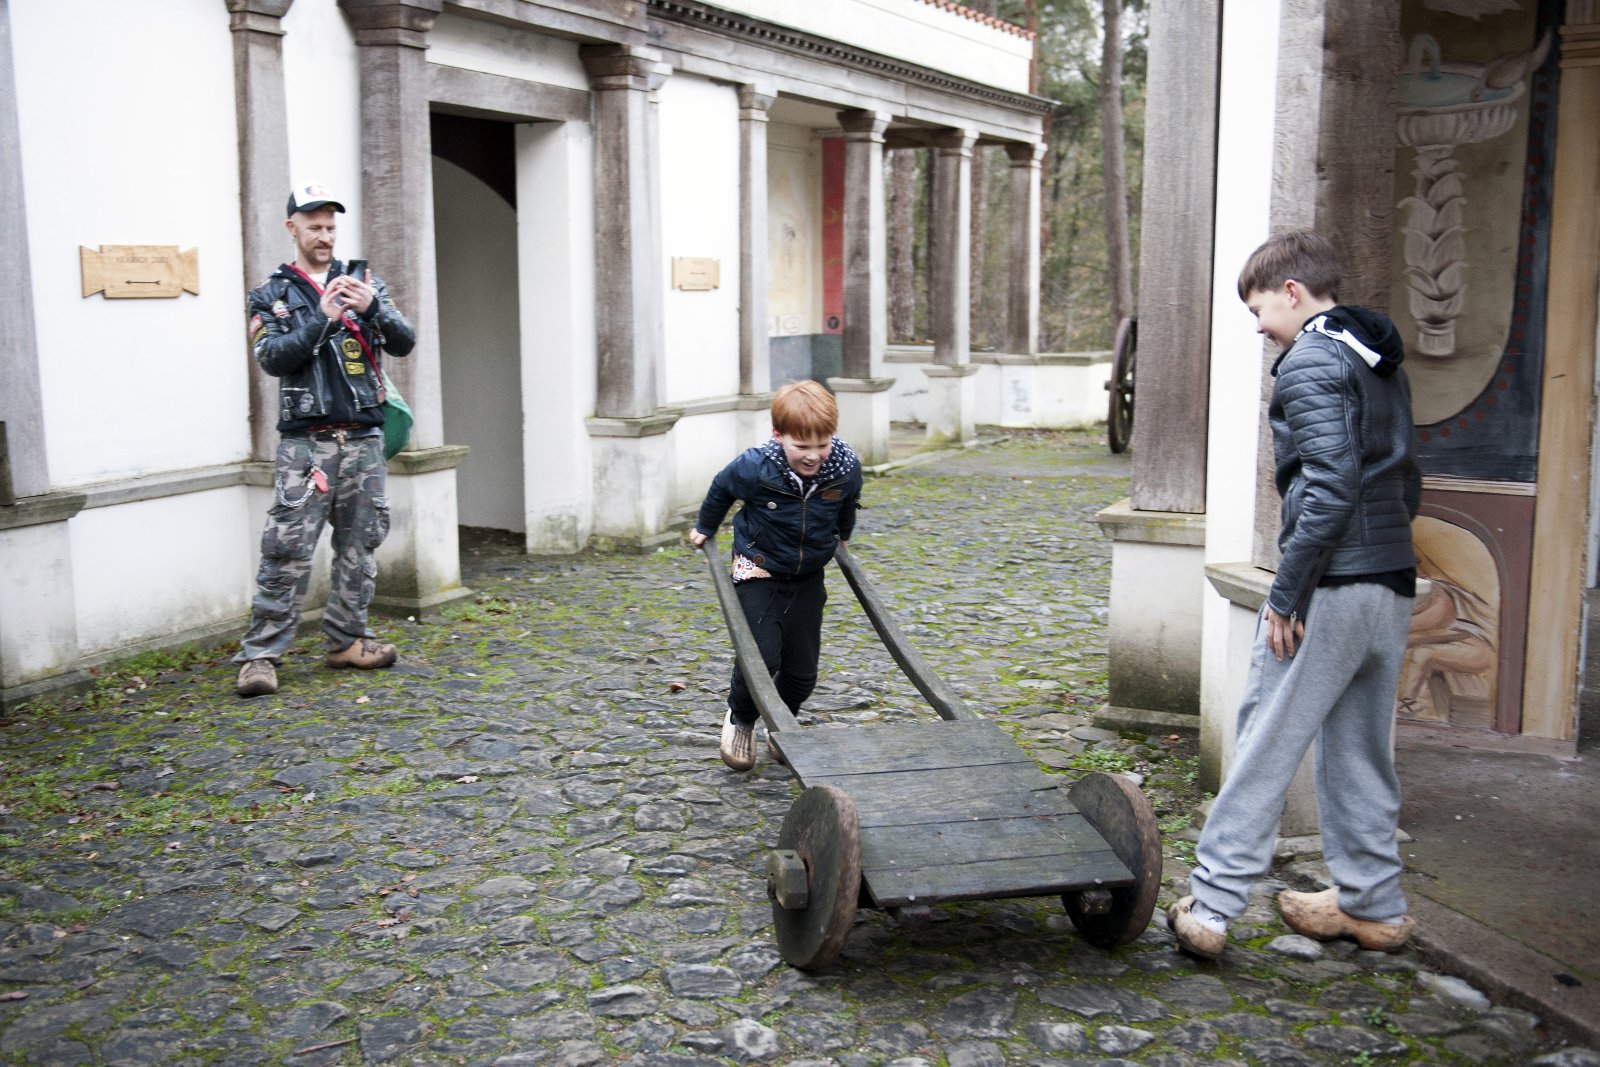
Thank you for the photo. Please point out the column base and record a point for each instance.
(633, 480)
(864, 416)
(397, 607)
(1157, 585)
(38, 608)
(419, 566)
(952, 403)
(1245, 587)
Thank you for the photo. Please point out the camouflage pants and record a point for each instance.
(353, 493)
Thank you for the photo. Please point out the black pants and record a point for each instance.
(786, 618)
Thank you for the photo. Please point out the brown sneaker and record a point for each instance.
(738, 746)
(1195, 937)
(257, 677)
(363, 654)
(1318, 915)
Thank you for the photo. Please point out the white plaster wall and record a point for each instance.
(794, 230)
(492, 48)
(700, 217)
(475, 234)
(322, 91)
(189, 575)
(703, 445)
(556, 278)
(912, 30)
(1055, 396)
(128, 137)
(1244, 193)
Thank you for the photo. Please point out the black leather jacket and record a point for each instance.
(297, 344)
(1344, 443)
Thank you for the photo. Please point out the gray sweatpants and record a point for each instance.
(1337, 691)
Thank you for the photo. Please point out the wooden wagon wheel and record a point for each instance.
(814, 877)
(1119, 415)
(1119, 811)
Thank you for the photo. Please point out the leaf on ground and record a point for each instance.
(466, 779)
(14, 994)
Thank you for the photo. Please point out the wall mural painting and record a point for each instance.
(1452, 654)
(1475, 125)
(1476, 128)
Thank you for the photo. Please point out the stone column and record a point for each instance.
(950, 383)
(632, 455)
(863, 398)
(755, 267)
(1022, 298)
(1158, 551)
(420, 564)
(38, 621)
(262, 119)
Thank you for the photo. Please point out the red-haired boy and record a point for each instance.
(800, 491)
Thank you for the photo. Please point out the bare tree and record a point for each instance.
(902, 239)
(1118, 268)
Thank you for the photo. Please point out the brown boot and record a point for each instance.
(257, 677)
(363, 654)
(1318, 915)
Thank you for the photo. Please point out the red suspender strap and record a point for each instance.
(351, 325)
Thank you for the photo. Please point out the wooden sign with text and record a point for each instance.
(696, 273)
(132, 272)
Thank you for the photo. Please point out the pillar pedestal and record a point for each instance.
(38, 613)
(419, 565)
(633, 479)
(864, 416)
(952, 399)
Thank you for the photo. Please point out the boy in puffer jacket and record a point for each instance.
(1326, 662)
(800, 491)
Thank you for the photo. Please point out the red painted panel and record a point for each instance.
(832, 235)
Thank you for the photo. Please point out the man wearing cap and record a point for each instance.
(321, 331)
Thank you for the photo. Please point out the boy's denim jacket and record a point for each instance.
(779, 529)
(297, 344)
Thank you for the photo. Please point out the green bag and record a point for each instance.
(396, 419)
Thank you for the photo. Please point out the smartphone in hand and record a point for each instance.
(357, 269)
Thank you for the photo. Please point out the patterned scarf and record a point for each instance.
(837, 465)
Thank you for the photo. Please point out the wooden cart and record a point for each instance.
(904, 816)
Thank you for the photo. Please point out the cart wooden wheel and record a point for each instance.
(1119, 811)
(1119, 414)
(823, 833)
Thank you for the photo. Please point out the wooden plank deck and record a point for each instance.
(954, 810)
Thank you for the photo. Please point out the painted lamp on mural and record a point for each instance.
(1443, 105)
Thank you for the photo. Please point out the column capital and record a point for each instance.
(260, 16)
(1026, 153)
(755, 98)
(864, 125)
(624, 66)
(954, 139)
(402, 23)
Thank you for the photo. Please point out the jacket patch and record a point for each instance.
(256, 330)
(832, 494)
(280, 309)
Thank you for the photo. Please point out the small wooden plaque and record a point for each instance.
(696, 273)
(132, 272)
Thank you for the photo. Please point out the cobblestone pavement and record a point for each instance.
(519, 847)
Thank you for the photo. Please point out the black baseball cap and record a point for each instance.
(311, 196)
